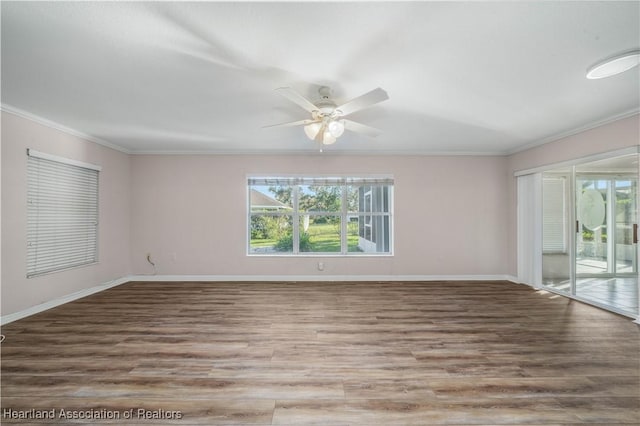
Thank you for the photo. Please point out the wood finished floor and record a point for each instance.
(464, 353)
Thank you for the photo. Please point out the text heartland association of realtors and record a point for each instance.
(91, 414)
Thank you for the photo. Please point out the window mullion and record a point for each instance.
(296, 219)
(344, 242)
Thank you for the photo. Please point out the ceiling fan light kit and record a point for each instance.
(336, 128)
(327, 138)
(614, 65)
(331, 130)
(327, 122)
(312, 130)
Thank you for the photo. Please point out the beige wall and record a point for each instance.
(190, 213)
(619, 134)
(18, 292)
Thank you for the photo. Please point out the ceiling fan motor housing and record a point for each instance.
(326, 106)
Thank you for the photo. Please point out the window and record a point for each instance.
(62, 213)
(554, 214)
(320, 215)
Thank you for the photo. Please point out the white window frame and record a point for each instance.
(344, 181)
(62, 213)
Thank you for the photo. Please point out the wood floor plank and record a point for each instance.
(162, 387)
(424, 412)
(330, 353)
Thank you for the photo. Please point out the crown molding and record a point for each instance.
(331, 153)
(505, 153)
(580, 160)
(575, 131)
(302, 152)
(57, 126)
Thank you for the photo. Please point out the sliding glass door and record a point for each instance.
(556, 227)
(606, 241)
(590, 232)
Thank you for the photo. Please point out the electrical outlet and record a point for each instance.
(320, 266)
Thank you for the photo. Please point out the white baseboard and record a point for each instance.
(513, 279)
(6, 319)
(295, 278)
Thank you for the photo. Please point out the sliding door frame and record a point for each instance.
(524, 238)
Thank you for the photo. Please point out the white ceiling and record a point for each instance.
(463, 77)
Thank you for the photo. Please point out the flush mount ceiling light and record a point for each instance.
(327, 121)
(614, 65)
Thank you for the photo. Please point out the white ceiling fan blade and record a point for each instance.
(364, 101)
(361, 128)
(297, 98)
(291, 124)
(201, 43)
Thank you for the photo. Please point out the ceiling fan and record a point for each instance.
(327, 122)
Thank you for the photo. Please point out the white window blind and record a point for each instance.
(554, 217)
(62, 213)
(276, 181)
